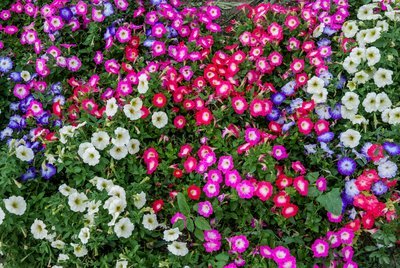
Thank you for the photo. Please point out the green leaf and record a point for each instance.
(312, 177)
(202, 223)
(183, 205)
(222, 257)
(190, 225)
(331, 201)
(199, 234)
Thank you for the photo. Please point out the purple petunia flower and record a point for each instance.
(350, 188)
(66, 14)
(379, 188)
(326, 137)
(392, 148)
(48, 171)
(274, 115)
(29, 174)
(335, 112)
(278, 98)
(205, 209)
(346, 166)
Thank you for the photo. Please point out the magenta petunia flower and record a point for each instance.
(211, 189)
(280, 253)
(321, 184)
(212, 235)
(214, 176)
(245, 189)
(123, 34)
(205, 209)
(225, 163)
(320, 248)
(211, 246)
(239, 244)
(346, 235)
(279, 152)
(252, 136)
(232, 178)
(266, 252)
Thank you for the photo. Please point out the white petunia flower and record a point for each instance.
(358, 54)
(131, 113)
(372, 55)
(347, 113)
(387, 170)
(65, 190)
(62, 257)
(150, 221)
(383, 102)
(121, 137)
(83, 147)
(15, 205)
(117, 191)
(360, 37)
(350, 138)
(91, 156)
(350, 28)
(350, 100)
(103, 184)
(79, 250)
(118, 152)
(350, 64)
(361, 77)
(139, 200)
(143, 86)
(136, 103)
(38, 229)
(394, 116)
(133, 146)
(58, 244)
(116, 205)
(178, 248)
(171, 234)
(318, 30)
(365, 12)
(2, 215)
(100, 140)
(123, 228)
(314, 84)
(386, 115)
(369, 103)
(383, 25)
(383, 77)
(111, 107)
(358, 119)
(159, 119)
(77, 202)
(372, 35)
(93, 207)
(121, 264)
(24, 153)
(26, 76)
(320, 95)
(84, 235)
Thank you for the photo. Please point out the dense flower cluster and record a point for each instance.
(138, 133)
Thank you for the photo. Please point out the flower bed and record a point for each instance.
(147, 134)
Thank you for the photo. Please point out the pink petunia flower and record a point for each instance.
(205, 209)
(320, 248)
(245, 189)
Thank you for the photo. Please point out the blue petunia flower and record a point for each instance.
(379, 188)
(48, 170)
(29, 174)
(350, 188)
(346, 166)
(391, 148)
(6, 64)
